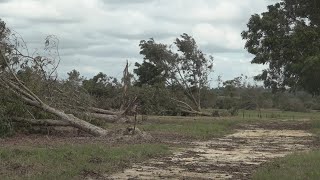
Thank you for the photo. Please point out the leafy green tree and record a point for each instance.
(232, 87)
(154, 69)
(105, 89)
(154, 100)
(74, 77)
(188, 67)
(287, 38)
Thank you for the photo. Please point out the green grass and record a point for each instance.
(201, 130)
(194, 127)
(296, 166)
(278, 114)
(315, 127)
(209, 127)
(72, 161)
(204, 128)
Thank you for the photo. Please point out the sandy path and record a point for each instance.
(232, 157)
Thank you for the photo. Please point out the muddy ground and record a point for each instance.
(234, 156)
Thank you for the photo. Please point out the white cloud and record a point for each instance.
(222, 36)
(99, 35)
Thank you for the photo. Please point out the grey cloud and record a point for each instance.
(100, 35)
(142, 35)
(58, 20)
(115, 51)
(125, 2)
(213, 49)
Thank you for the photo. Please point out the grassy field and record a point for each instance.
(278, 114)
(193, 127)
(296, 166)
(315, 126)
(79, 160)
(197, 128)
(299, 166)
(204, 128)
(72, 161)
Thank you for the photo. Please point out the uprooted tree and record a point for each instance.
(186, 69)
(29, 81)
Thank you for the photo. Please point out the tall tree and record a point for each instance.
(74, 77)
(187, 67)
(154, 69)
(287, 38)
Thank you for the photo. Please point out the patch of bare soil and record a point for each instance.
(232, 157)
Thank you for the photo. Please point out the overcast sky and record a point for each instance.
(99, 35)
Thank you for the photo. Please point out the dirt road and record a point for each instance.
(232, 157)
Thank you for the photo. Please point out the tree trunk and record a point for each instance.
(110, 118)
(103, 111)
(199, 108)
(71, 119)
(23, 92)
(40, 122)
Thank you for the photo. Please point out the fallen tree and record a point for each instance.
(112, 116)
(40, 122)
(28, 97)
(12, 59)
(109, 118)
(186, 108)
(104, 111)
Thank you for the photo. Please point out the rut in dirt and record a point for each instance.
(232, 157)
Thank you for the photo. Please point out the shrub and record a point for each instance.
(234, 111)
(155, 101)
(224, 113)
(293, 104)
(6, 128)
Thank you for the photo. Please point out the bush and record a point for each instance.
(293, 104)
(6, 128)
(215, 113)
(248, 105)
(155, 101)
(226, 102)
(234, 111)
(224, 113)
